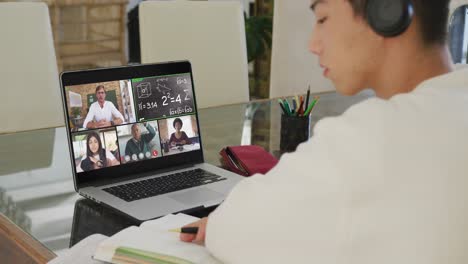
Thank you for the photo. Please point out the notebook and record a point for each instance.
(153, 243)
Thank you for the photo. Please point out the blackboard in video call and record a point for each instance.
(163, 96)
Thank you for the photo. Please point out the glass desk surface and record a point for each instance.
(36, 185)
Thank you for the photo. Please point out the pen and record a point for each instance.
(282, 106)
(300, 111)
(295, 105)
(286, 105)
(307, 99)
(311, 106)
(185, 230)
(302, 104)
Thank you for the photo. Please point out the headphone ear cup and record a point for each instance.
(389, 18)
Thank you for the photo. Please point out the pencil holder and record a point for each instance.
(294, 130)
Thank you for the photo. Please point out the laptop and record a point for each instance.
(135, 140)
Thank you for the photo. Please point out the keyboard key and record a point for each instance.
(169, 183)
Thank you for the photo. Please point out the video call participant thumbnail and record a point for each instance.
(139, 141)
(179, 137)
(96, 156)
(179, 134)
(102, 113)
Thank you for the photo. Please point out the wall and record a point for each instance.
(293, 66)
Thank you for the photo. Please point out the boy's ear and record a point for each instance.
(389, 18)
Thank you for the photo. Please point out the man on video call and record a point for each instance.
(102, 113)
(139, 143)
(384, 183)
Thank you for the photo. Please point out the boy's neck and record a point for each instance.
(403, 70)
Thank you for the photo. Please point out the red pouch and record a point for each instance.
(247, 160)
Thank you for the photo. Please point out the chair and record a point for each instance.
(211, 35)
(28, 69)
(293, 67)
(454, 4)
(457, 28)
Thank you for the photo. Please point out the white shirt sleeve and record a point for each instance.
(89, 116)
(116, 113)
(297, 213)
(109, 155)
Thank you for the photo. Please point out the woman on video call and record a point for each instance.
(96, 156)
(178, 137)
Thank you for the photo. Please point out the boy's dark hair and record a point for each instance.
(432, 14)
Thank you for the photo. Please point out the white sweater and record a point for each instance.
(386, 182)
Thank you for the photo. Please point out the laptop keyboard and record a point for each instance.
(169, 183)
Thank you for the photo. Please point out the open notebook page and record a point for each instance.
(170, 221)
(153, 236)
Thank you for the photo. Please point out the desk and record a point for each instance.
(36, 186)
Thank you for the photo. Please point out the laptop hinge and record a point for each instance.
(89, 197)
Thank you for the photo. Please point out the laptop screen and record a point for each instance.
(140, 120)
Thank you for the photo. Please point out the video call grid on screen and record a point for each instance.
(163, 106)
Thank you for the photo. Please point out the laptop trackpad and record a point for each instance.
(197, 196)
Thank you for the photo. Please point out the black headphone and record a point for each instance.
(389, 18)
